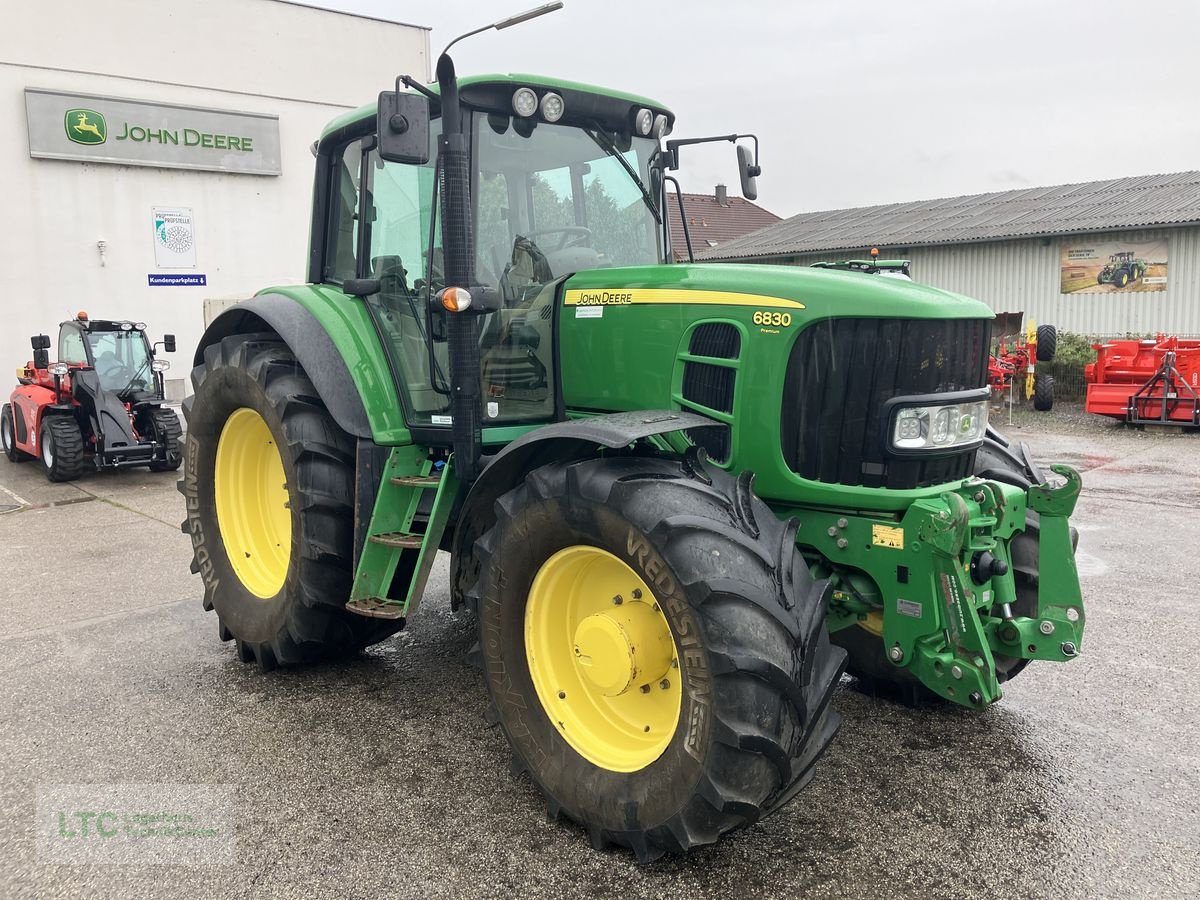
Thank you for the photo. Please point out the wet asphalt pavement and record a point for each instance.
(380, 777)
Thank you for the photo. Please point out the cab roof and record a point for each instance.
(513, 81)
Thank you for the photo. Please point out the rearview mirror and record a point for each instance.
(40, 342)
(41, 358)
(404, 128)
(748, 172)
(169, 343)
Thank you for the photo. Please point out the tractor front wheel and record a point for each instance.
(654, 649)
(269, 488)
(8, 436)
(164, 425)
(62, 448)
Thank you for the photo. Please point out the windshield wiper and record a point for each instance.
(604, 142)
(136, 376)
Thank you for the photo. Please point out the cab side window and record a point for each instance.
(341, 244)
(70, 346)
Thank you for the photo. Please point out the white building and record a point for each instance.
(227, 88)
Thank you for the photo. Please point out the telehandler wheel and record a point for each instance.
(1047, 343)
(62, 448)
(1043, 392)
(269, 486)
(654, 649)
(167, 432)
(8, 436)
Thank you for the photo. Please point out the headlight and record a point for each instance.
(553, 107)
(160, 365)
(644, 121)
(524, 101)
(933, 424)
(660, 126)
(58, 368)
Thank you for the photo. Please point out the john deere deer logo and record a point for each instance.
(86, 126)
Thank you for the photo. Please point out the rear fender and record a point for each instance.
(30, 402)
(308, 340)
(577, 439)
(337, 344)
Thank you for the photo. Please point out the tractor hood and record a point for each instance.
(820, 292)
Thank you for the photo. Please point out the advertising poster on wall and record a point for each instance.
(174, 238)
(1105, 267)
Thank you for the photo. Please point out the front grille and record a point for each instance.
(841, 373)
(708, 385)
(716, 339)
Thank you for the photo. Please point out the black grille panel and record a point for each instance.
(710, 386)
(842, 372)
(716, 339)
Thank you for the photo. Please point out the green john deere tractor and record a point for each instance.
(665, 488)
(1122, 269)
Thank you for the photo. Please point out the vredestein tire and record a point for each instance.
(306, 619)
(1047, 343)
(61, 448)
(756, 669)
(167, 432)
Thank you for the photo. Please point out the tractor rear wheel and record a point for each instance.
(1047, 343)
(62, 448)
(1043, 392)
(654, 648)
(8, 436)
(165, 426)
(269, 486)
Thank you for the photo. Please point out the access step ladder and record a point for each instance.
(402, 542)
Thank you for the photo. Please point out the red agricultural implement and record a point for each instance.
(1016, 351)
(1146, 382)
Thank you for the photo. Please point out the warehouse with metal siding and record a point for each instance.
(950, 248)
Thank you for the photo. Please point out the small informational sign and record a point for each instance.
(1114, 267)
(188, 280)
(174, 238)
(100, 129)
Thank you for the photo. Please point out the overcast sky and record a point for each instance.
(871, 102)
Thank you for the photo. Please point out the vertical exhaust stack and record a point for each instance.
(459, 256)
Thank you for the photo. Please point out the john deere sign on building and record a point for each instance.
(139, 133)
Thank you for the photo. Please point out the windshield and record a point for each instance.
(121, 360)
(554, 199)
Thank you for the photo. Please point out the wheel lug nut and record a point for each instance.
(664, 684)
(618, 600)
(636, 594)
(645, 689)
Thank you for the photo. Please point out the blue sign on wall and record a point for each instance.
(177, 280)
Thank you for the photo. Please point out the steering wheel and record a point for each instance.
(569, 236)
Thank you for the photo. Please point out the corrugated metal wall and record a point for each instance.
(1023, 276)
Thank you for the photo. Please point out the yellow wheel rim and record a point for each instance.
(602, 659)
(252, 503)
(873, 623)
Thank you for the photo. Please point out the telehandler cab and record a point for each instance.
(663, 486)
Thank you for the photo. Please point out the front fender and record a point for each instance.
(576, 439)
